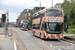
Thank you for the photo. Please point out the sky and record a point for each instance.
(15, 7)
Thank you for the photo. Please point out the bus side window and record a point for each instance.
(42, 27)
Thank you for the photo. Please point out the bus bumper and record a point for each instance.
(53, 36)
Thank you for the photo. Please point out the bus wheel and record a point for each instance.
(33, 33)
(58, 40)
(40, 35)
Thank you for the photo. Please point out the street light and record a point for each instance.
(40, 4)
(52, 3)
(6, 27)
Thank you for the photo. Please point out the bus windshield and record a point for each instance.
(53, 27)
(24, 25)
(53, 12)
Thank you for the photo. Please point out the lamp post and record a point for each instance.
(6, 23)
(40, 4)
(52, 3)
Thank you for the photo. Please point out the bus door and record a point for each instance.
(42, 30)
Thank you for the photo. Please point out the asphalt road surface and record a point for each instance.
(49, 43)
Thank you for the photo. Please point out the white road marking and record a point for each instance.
(15, 47)
(67, 42)
(71, 43)
(51, 45)
(48, 44)
(56, 48)
(43, 41)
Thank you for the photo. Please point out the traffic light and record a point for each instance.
(3, 18)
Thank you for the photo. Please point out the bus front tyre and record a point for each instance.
(33, 33)
(40, 35)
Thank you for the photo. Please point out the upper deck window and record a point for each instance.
(54, 12)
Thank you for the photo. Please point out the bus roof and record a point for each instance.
(38, 13)
(43, 11)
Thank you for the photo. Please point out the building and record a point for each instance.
(11, 24)
(22, 16)
(25, 15)
(0, 21)
(37, 8)
(58, 5)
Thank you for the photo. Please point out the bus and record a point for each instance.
(24, 25)
(48, 23)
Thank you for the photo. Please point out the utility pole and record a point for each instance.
(52, 3)
(40, 4)
(6, 24)
(7, 17)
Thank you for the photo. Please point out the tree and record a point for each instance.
(69, 11)
(31, 17)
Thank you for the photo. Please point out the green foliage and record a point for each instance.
(69, 11)
(72, 26)
(31, 20)
(36, 11)
(69, 33)
(72, 30)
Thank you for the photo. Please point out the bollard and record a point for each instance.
(6, 31)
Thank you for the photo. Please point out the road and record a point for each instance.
(26, 41)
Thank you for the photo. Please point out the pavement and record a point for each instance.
(69, 34)
(69, 38)
(5, 43)
(29, 44)
(28, 37)
(2, 40)
(24, 40)
(8, 45)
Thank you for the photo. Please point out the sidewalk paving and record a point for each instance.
(2, 40)
(5, 43)
(69, 34)
(8, 44)
(69, 37)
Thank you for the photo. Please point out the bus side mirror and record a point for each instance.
(65, 18)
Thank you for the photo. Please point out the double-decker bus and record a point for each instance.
(24, 25)
(48, 23)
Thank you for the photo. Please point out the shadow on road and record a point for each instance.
(51, 40)
(57, 40)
